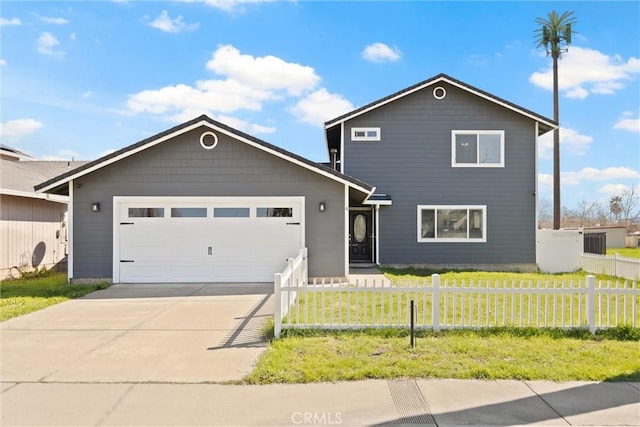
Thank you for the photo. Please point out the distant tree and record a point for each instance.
(585, 213)
(629, 204)
(615, 208)
(544, 212)
(555, 31)
(601, 214)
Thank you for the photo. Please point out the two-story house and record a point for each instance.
(440, 173)
(455, 176)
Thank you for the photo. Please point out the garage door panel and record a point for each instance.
(209, 249)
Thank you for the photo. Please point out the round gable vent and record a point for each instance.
(208, 140)
(439, 92)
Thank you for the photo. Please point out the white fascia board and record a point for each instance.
(70, 225)
(438, 80)
(342, 161)
(378, 202)
(188, 129)
(49, 197)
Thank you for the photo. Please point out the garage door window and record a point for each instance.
(274, 212)
(146, 212)
(188, 212)
(231, 212)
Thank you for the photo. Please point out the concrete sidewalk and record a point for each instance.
(360, 403)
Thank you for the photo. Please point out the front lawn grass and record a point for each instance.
(22, 296)
(402, 275)
(520, 353)
(625, 252)
(499, 353)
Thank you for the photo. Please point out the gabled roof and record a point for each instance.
(19, 177)
(63, 179)
(12, 153)
(546, 124)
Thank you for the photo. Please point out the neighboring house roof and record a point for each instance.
(19, 177)
(546, 124)
(11, 153)
(60, 181)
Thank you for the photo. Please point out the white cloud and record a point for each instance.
(320, 106)
(3, 62)
(577, 93)
(227, 5)
(176, 25)
(53, 21)
(88, 94)
(478, 60)
(72, 36)
(244, 126)
(380, 52)
(247, 82)
(267, 72)
(210, 95)
(597, 175)
(570, 140)
(627, 122)
(583, 71)
(16, 129)
(7, 22)
(47, 44)
(545, 180)
(613, 189)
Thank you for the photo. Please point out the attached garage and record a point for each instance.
(205, 239)
(203, 202)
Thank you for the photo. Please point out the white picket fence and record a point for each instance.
(450, 305)
(295, 276)
(612, 265)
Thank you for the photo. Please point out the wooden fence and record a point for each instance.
(450, 304)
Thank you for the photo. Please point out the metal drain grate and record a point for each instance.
(409, 402)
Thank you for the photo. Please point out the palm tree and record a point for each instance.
(553, 32)
(615, 206)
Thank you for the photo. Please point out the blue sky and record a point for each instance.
(81, 79)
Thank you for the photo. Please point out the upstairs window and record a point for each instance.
(365, 134)
(477, 148)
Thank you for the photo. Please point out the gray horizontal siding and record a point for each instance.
(412, 163)
(181, 167)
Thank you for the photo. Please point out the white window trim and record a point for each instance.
(451, 240)
(366, 130)
(478, 164)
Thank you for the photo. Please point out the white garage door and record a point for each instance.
(205, 239)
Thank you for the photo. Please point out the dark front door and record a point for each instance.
(360, 242)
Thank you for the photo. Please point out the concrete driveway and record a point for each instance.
(174, 333)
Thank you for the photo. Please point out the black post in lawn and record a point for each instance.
(413, 338)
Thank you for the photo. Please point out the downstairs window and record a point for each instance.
(452, 223)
